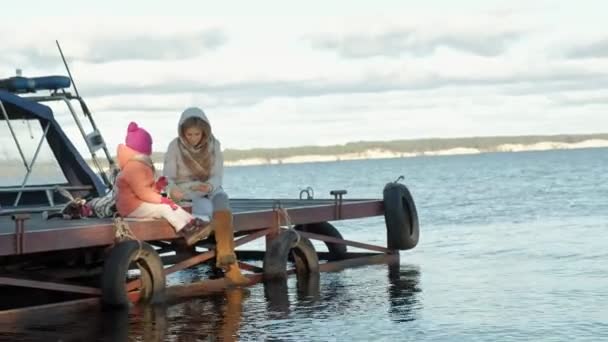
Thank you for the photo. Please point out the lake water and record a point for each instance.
(512, 248)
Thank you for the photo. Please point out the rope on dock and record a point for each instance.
(288, 225)
(122, 232)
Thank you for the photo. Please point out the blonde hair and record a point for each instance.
(195, 122)
(199, 159)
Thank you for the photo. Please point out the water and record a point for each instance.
(513, 248)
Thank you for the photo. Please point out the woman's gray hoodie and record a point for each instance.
(178, 173)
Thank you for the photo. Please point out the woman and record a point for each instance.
(194, 167)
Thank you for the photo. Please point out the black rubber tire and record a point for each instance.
(337, 251)
(116, 266)
(277, 253)
(401, 217)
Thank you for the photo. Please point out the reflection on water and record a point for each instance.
(209, 318)
(274, 310)
(276, 293)
(403, 292)
(147, 322)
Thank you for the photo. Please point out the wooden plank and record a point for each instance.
(43, 188)
(91, 233)
(46, 285)
(344, 242)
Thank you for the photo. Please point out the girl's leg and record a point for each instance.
(183, 223)
(177, 218)
(146, 210)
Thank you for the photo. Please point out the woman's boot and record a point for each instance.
(225, 256)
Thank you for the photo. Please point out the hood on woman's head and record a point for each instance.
(194, 117)
(198, 151)
(193, 112)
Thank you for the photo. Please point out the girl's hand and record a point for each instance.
(161, 183)
(169, 202)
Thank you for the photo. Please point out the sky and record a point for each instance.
(278, 73)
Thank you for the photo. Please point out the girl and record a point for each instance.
(194, 167)
(138, 193)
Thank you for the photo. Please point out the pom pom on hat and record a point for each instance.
(132, 127)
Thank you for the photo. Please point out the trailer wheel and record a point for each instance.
(401, 217)
(337, 251)
(277, 253)
(115, 274)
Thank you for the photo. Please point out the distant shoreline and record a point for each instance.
(387, 154)
(369, 150)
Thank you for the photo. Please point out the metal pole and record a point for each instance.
(84, 136)
(10, 127)
(78, 123)
(67, 68)
(29, 172)
(85, 110)
(87, 113)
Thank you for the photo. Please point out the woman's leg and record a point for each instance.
(224, 235)
(202, 208)
(220, 200)
(201, 204)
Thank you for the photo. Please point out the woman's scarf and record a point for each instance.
(199, 159)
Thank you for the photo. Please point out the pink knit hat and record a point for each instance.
(139, 139)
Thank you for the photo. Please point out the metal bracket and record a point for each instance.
(19, 231)
(31, 165)
(10, 127)
(338, 202)
(309, 193)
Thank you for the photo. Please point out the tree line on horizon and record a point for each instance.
(488, 144)
(400, 146)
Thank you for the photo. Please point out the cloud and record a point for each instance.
(596, 49)
(396, 43)
(138, 46)
(169, 103)
(414, 72)
(583, 99)
(560, 82)
(31, 56)
(165, 48)
(511, 79)
(254, 91)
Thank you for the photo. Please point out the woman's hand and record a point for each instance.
(176, 194)
(203, 187)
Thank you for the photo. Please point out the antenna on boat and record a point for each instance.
(94, 140)
(67, 68)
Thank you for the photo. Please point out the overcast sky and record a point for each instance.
(272, 74)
